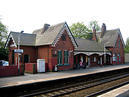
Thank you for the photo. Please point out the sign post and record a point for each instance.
(19, 51)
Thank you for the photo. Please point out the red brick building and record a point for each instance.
(113, 41)
(55, 44)
(105, 47)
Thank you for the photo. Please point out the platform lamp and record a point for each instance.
(104, 55)
(19, 49)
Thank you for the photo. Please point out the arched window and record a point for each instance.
(26, 58)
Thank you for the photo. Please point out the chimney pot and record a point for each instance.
(46, 26)
(94, 34)
(103, 30)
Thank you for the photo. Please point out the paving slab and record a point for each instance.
(40, 77)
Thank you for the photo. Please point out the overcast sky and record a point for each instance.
(29, 15)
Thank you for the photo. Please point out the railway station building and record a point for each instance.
(59, 47)
(105, 48)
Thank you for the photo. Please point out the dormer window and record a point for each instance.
(63, 37)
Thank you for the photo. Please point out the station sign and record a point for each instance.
(18, 51)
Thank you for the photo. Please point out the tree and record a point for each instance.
(127, 46)
(80, 30)
(94, 24)
(3, 37)
(3, 54)
(3, 34)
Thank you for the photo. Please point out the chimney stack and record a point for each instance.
(103, 30)
(94, 34)
(46, 26)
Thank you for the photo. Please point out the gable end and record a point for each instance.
(8, 39)
(69, 34)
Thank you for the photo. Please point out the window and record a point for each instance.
(12, 56)
(54, 53)
(119, 44)
(26, 58)
(119, 57)
(59, 57)
(108, 58)
(63, 37)
(66, 57)
(114, 57)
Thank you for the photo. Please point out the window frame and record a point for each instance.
(66, 56)
(59, 57)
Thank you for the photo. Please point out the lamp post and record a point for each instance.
(19, 49)
(104, 54)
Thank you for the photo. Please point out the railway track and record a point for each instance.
(89, 88)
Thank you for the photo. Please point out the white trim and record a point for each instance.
(10, 36)
(91, 53)
(60, 34)
(12, 45)
(94, 58)
(121, 37)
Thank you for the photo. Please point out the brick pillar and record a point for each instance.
(50, 66)
(94, 34)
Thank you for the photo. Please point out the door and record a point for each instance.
(41, 65)
(26, 58)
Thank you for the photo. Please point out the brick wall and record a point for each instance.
(31, 67)
(31, 51)
(63, 45)
(27, 50)
(8, 70)
(10, 52)
(118, 50)
(44, 52)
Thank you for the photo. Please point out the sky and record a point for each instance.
(29, 15)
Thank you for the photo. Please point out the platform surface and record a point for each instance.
(41, 77)
(119, 92)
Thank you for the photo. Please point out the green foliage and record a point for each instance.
(94, 23)
(80, 30)
(3, 54)
(3, 34)
(127, 46)
(3, 37)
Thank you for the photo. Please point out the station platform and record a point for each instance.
(119, 92)
(48, 76)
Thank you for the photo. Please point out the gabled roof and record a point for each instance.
(110, 37)
(49, 37)
(89, 46)
(25, 38)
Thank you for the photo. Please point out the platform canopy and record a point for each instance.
(91, 53)
(90, 47)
